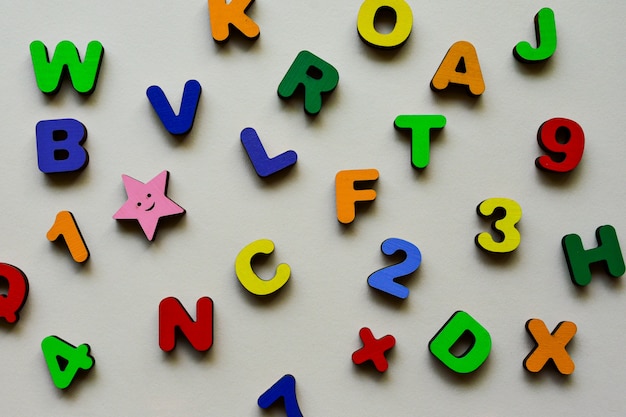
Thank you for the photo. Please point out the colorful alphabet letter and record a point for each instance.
(314, 75)
(262, 163)
(59, 145)
(183, 122)
(65, 360)
(65, 226)
(284, 388)
(346, 195)
(460, 66)
(564, 142)
(224, 14)
(49, 73)
(373, 349)
(384, 279)
(550, 346)
(607, 252)
(173, 317)
(249, 279)
(505, 226)
(12, 302)
(545, 33)
(458, 325)
(401, 30)
(420, 126)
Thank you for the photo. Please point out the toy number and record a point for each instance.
(65, 225)
(505, 226)
(384, 279)
(65, 360)
(564, 142)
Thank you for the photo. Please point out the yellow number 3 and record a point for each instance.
(504, 226)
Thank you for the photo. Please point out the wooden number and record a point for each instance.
(504, 226)
(65, 225)
(65, 360)
(284, 388)
(564, 142)
(384, 279)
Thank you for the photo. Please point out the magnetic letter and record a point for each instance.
(346, 195)
(83, 75)
(262, 163)
(173, 317)
(420, 126)
(373, 349)
(550, 346)
(225, 14)
(249, 279)
(284, 388)
(65, 360)
(316, 77)
(59, 145)
(183, 122)
(12, 302)
(384, 279)
(460, 66)
(545, 33)
(505, 226)
(460, 324)
(65, 226)
(401, 30)
(607, 252)
(564, 142)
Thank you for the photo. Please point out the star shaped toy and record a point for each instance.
(147, 203)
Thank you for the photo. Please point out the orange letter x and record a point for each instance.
(550, 346)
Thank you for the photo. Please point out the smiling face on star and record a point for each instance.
(148, 203)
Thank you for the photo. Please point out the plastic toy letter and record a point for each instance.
(384, 279)
(420, 126)
(249, 279)
(65, 360)
(223, 14)
(315, 75)
(545, 33)
(48, 73)
(460, 66)
(505, 226)
(59, 145)
(12, 302)
(550, 346)
(459, 324)
(262, 163)
(579, 260)
(284, 388)
(401, 30)
(564, 142)
(346, 195)
(183, 122)
(65, 225)
(173, 316)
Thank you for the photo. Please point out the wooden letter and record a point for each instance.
(346, 195)
(59, 145)
(460, 66)
(420, 126)
(12, 302)
(225, 14)
(401, 30)
(550, 346)
(173, 317)
(545, 33)
(249, 279)
(183, 122)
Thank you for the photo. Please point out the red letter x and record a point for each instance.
(550, 346)
(373, 349)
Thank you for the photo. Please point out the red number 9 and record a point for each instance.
(564, 142)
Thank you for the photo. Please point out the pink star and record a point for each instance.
(147, 203)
